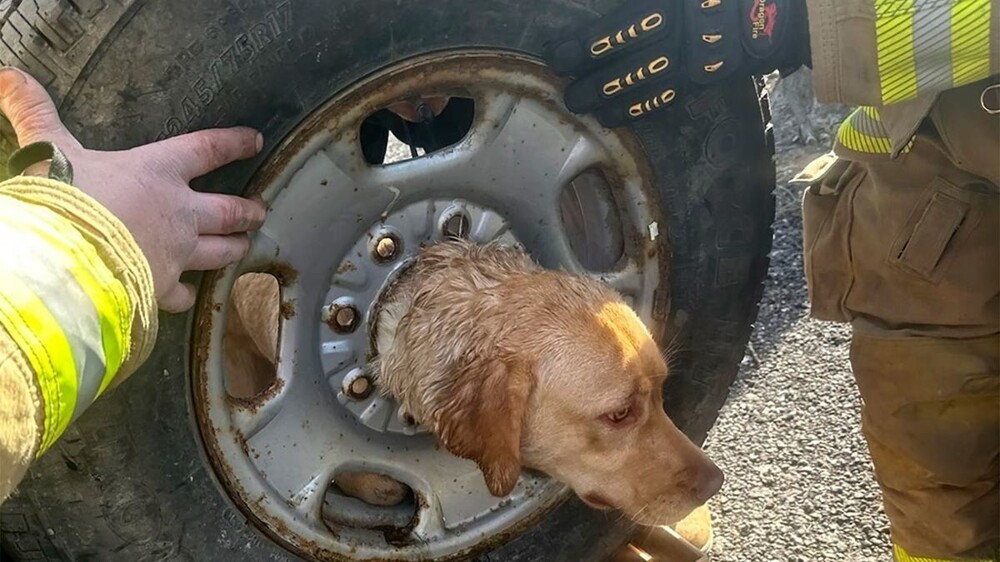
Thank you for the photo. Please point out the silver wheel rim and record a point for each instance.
(276, 453)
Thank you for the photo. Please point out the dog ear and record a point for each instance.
(481, 418)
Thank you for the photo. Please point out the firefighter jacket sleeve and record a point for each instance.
(881, 52)
(77, 314)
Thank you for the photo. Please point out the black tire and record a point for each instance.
(129, 480)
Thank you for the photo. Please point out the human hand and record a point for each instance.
(639, 58)
(177, 228)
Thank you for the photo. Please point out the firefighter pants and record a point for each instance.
(907, 249)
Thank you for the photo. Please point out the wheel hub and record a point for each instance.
(371, 266)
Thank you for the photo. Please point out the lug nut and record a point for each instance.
(360, 387)
(358, 384)
(345, 317)
(342, 318)
(457, 226)
(386, 248)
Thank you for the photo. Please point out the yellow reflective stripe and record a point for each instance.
(894, 36)
(863, 132)
(860, 142)
(932, 45)
(65, 309)
(900, 555)
(42, 268)
(927, 47)
(970, 40)
(107, 293)
(43, 342)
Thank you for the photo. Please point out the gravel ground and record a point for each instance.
(799, 484)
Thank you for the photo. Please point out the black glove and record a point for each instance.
(639, 58)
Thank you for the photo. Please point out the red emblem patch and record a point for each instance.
(762, 17)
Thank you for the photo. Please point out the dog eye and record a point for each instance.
(619, 416)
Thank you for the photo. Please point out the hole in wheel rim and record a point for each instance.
(250, 341)
(388, 138)
(593, 224)
(371, 501)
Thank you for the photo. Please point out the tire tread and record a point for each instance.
(53, 40)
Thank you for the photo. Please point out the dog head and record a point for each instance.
(569, 382)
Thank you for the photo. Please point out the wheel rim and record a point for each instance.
(276, 454)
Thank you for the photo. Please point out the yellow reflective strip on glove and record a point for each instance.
(43, 342)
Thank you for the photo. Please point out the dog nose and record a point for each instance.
(709, 482)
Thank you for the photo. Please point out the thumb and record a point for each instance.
(30, 110)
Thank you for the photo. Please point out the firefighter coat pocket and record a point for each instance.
(927, 256)
(920, 247)
(826, 222)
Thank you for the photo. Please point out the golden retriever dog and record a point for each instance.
(512, 366)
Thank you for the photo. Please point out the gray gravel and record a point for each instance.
(799, 484)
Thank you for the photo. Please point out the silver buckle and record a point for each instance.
(983, 102)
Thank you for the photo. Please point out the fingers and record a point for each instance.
(656, 64)
(227, 214)
(638, 104)
(216, 252)
(179, 298)
(611, 36)
(30, 110)
(211, 252)
(198, 153)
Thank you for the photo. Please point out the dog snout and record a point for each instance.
(708, 481)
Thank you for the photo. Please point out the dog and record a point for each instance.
(514, 366)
